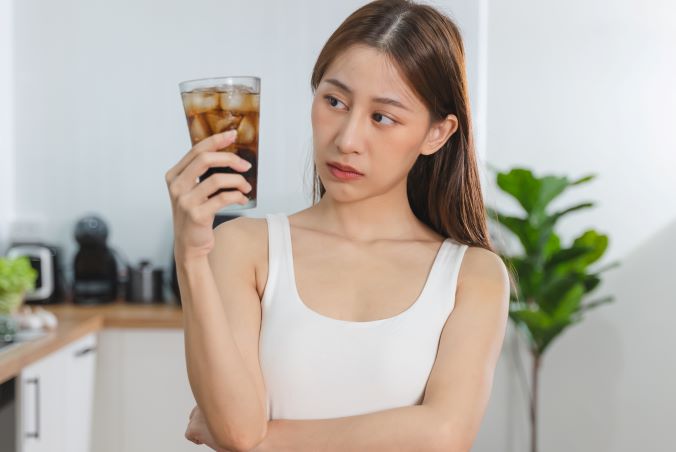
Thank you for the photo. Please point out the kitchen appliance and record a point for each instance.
(146, 285)
(46, 260)
(96, 268)
(218, 219)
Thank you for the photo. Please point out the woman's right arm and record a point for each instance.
(221, 308)
(221, 321)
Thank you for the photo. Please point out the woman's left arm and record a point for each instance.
(457, 390)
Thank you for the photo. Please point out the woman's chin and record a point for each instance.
(341, 194)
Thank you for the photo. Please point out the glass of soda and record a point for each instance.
(215, 105)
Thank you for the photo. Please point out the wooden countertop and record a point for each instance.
(76, 321)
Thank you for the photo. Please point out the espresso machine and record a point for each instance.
(96, 268)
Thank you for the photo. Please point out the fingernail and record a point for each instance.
(246, 163)
(230, 133)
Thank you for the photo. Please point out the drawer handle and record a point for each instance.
(36, 433)
(84, 351)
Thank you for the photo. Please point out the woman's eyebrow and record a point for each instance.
(379, 100)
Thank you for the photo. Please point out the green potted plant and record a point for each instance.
(553, 280)
(16, 277)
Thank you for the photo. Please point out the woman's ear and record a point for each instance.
(438, 134)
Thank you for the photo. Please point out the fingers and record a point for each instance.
(194, 440)
(200, 207)
(186, 181)
(212, 143)
(211, 185)
(205, 212)
(192, 436)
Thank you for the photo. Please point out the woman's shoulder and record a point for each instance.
(247, 234)
(242, 227)
(482, 265)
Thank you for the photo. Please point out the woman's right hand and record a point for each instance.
(192, 208)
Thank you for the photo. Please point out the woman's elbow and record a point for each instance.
(456, 440)
(242, 442)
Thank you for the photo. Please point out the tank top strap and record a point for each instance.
(277, 250)
(444, 278)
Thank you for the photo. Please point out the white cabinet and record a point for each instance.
(41, 421)
(55, 397)
(143, 396)
(79, 394)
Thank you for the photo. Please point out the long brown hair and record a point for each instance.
(444, 188)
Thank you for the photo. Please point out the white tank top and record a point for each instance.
(318, 367)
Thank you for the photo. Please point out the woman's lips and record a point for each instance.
(343, 175)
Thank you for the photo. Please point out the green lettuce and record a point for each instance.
(16, 275)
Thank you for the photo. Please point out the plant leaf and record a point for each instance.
(569, 303)
(546, 340)
(591, 281)
(595, 303)
(520, 228)
(533, 193)
(555, 216)
(592, 239)
(550, 188)
(522, 185)
(554, 291)
(567, 256)
(552, 246)
(583, 179)
(537, 322)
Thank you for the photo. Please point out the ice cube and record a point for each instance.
(239, 99)
(222, 121)
(199, 129)
(246, 132)
(196, 102)
(232, 100)
(253, 101)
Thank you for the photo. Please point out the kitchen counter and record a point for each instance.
(76, 321)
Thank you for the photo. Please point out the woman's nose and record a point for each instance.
(351, 136)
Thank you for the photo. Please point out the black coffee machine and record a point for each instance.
(96, 275)
(218, 219)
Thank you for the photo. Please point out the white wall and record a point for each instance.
(577, 87)
(99, 118)
(6, 119)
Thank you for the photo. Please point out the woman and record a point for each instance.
(300, 331)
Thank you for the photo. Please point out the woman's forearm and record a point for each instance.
(409, 428)
(222, 386)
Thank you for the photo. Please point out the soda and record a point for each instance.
(216, 109)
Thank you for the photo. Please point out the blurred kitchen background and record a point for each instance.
(91, 119)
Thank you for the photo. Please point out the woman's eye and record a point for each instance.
(378, 115)
(331, 100)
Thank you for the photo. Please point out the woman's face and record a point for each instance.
(365, 116)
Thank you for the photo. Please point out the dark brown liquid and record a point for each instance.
(211, 111)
